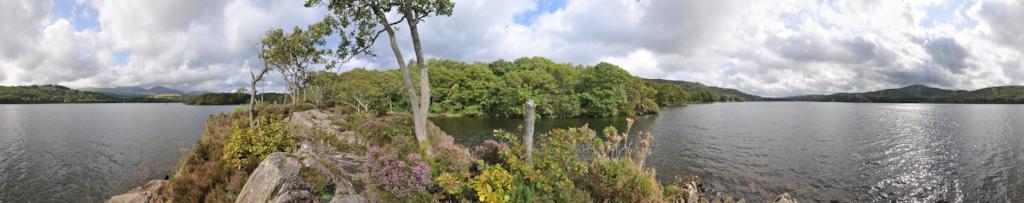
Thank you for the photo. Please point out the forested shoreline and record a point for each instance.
(499, 89)
(234, 98)
(47, 94)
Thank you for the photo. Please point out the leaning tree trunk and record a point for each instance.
(252, 104)
(419, 126)
(424, 75)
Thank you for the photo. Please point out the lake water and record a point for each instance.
(88, 152)
(825, 151)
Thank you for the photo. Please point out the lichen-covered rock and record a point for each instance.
(294, 196)
(353, 198)
(784, 198)
(143, 194)
(277, 175)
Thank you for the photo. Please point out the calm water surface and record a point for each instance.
(826, 151)
(88, 152)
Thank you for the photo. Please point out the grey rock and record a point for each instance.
(142, 194)
(353, 198)
(784, 198)
(275, 176)
(295, 196)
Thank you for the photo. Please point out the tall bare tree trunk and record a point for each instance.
(421, 62)
(528, 129)
(252, 93)
(418, 125)
(252, 100)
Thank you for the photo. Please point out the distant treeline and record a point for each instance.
(924, 94)
(500, 88)
(234, 98)
(35, 94)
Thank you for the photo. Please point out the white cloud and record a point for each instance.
(640, 63)
(192, 44)
(767, 48)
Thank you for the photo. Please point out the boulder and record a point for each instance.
(276, 178)
(142, 194)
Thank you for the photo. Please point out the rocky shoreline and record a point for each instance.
(277, 178)
(317, 166)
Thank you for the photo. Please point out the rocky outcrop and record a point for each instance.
(278, 178)
(315, 120)
(311, 119)
(143, 194)
(275, 179)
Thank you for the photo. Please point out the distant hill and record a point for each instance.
(700, 93)
(140, 91)
(50, 94)
(924, 94)
(36, 94)
(233, 98)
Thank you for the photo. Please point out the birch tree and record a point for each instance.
(361, 22)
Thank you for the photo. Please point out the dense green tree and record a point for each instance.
(361, 90)
(50, 94)
(668, 94)
(365, 20)
(294, 53)
(233, 98)
(499, 89)
(603, 90)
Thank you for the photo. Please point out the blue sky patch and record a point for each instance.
(121, 57)
(542, 7)
(945, 13)
(82, 16)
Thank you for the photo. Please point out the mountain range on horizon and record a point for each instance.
(909, 94)
(921, 94)
(142, 91)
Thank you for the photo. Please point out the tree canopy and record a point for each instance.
(499, 89)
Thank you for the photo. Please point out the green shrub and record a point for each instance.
(451, 164)
(575, 165)
(320, 184)
(493, 184)
(617, 171)
(452, 185)
(620, 180)
(202, 176)
(556, 169)
(246, 147)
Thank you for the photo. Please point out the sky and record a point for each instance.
(768, 48)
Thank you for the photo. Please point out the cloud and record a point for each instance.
(766, 48)
(190, 44)
(641, 62)
(1002, 21)
(946, 53)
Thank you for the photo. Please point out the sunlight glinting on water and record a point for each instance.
(828, 151)
(913, 152)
